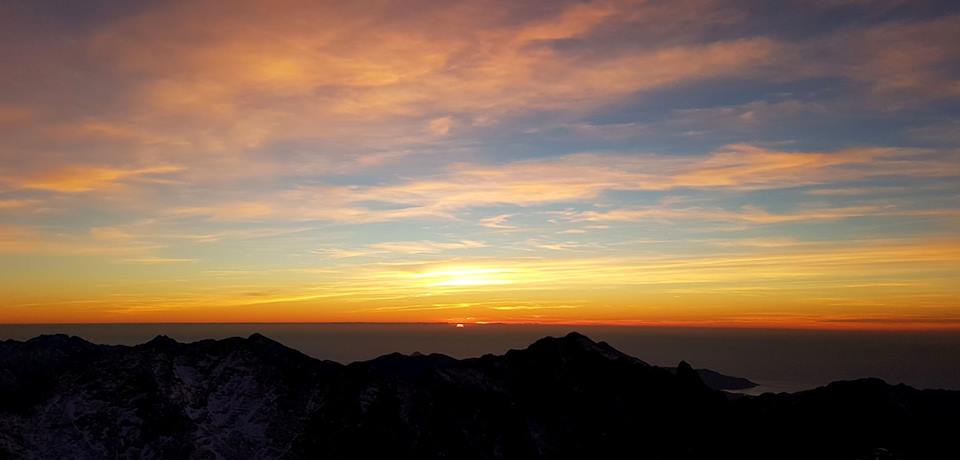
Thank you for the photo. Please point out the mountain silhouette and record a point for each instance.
(567, 397)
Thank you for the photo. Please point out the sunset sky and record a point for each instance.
(697, 162)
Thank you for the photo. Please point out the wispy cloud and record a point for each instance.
(157, 261)
(403, 247)
(85, 179)
(498, 222)
(16, 203)
(585, 178)
(754, 215)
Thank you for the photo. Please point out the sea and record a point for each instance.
(777, 360)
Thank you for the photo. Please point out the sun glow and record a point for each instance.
(465, 277)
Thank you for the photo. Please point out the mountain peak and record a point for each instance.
(574, 339)
(577, 342)
(266, 342)
(161, 341)
(258, 337)
(687, 375)
(574, 335)
(57, 339)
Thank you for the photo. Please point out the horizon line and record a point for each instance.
(852, 326)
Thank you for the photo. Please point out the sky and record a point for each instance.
(700, 162)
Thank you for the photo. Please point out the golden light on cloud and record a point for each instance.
(85, 179)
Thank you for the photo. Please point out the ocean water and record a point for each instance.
(778, 360)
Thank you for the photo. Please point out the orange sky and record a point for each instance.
(631, 162)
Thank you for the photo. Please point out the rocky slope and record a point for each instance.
(569, 397)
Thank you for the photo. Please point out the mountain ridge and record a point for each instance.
(560, 397)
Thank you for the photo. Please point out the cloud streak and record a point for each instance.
(86, 179)
(586, 177)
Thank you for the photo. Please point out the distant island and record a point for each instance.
(567, 397)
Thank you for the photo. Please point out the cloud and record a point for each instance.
(156, 261)
(397, 66)
(563, 246)
(110, 234)
(856, 191)
(16, 239)
(402, 247)
(21, 239)
(755, 215)
(902, 63)
(79, 179)
(198, 81)
(204, 88)
(439, 126)
(420, 247)
(584, 178)
(944, 131)
(88, 130)
(751, 167)
(498, 222)
(16, 203)
(14, 114)
(534, 307)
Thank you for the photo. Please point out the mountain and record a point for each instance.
(568, 397)
(718, 381)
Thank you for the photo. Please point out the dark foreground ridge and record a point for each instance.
(569, 397)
